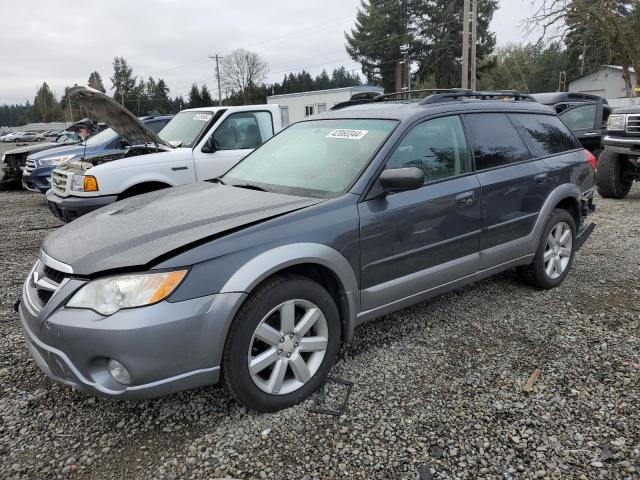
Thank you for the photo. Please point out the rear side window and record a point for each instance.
(580, 118)
(494, 140)
(545, 134)
(437, 147)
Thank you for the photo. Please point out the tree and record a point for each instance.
(123, 82)
(195, 99)
(242, 69)
(45, 105)
(205, 96)
(95, 81)
(610, 26)
(381, 28)
(437, 45)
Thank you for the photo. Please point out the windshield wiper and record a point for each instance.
(250, 186)
(216, 180)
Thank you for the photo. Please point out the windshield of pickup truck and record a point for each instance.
(313, 158)
(186, 127)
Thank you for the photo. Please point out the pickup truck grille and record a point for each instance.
(30, 166)
(59, 181)
(633, 124)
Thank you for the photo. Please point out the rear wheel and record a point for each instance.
(611, 181)
(281, 344)
(555, 251)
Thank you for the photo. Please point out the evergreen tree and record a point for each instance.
(205, 97)
(95, 81)
(161, 100)
(45, 105)
(438, 26)
(195, 99)
(123, 82)
(380, 31)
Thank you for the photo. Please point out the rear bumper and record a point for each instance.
(70, 208)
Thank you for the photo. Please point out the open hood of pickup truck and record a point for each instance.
(133, 233)
(121, 120)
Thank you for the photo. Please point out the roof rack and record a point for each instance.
(460, 94)
(359, 99)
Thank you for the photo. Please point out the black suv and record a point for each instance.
(619, 163)
(258, 276)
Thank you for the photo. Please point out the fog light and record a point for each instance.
(118, 372)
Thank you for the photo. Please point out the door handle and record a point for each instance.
(465, 199)
(541, 178)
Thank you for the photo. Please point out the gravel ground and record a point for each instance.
(438, 388)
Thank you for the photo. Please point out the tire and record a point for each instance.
(261, 388)
(538, 273)
(609, 181)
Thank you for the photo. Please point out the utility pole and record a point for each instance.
(474, 41)
(217, 58)
(465, 45)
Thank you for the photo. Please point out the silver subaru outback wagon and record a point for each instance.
(259, 276)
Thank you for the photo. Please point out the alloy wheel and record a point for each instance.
(558, 249)
(288, 346)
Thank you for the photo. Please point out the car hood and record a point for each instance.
(63, 150)
(630, 109)
(121, 120)
(135, 232)
(32, 148)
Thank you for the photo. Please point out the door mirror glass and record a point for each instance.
(401, 179)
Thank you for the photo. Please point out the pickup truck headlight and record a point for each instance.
(84, 183)
(48, 162)
(108, 295)
(617, 123)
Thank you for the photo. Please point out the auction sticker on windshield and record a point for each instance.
(205, 117)
(348, 133)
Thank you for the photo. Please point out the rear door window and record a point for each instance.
(545, 134)
(494, 140)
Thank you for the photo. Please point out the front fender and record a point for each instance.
(256, 270)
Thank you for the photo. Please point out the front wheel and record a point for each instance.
(555, 251)
(281, 344)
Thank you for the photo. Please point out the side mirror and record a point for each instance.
(209, 146)
(401, 179)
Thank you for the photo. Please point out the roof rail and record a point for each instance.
(390, 97)
(460, 94)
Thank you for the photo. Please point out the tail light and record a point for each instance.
(591, 159)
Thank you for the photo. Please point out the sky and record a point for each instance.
(62, 42)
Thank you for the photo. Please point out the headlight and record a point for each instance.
(616, 122)
(108, 295)
(84, 183)
(47, 162)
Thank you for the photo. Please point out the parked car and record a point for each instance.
(29, 137)
(258, 276)
(106, 144)
(619, 163)
(12, 137)
(198, 144)
(14, 161)
(583, 113)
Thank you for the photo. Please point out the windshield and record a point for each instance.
(314, 158)
(101, 138)
(67, 138)
(185, 128)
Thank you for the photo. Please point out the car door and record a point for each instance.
(514, 185)
(416, 240)
(235, 137)
(583, 121)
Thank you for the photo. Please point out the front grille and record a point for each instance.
(59, 182)
(53, 275)
(30, 166)
(633, 124)
(44, 296)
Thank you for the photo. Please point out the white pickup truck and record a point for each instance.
(198, 144)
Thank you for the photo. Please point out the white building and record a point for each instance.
(296, 106)
(606, 82)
